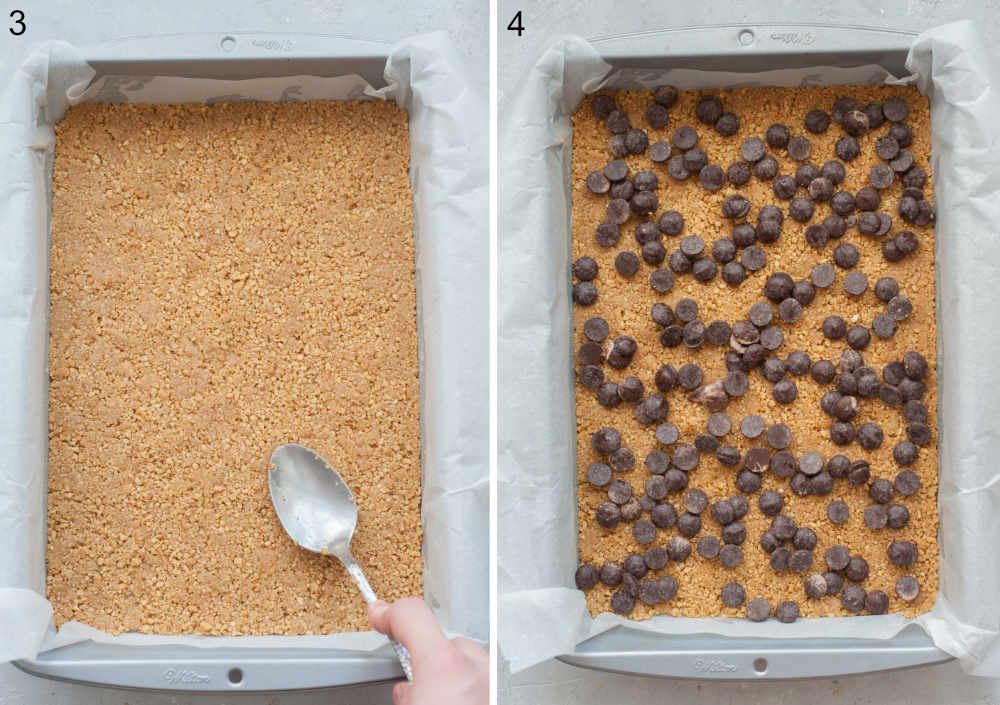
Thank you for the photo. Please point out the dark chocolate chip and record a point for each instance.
(800, 561)
(799, 148)
(842, 203)
(591, 376)
(817, 121)
(907, 588)
(907, 483)
(730, 555)
(718, 332)
(875, 116)
(607, 395)
(895, 109)
(663, 515)
(769, 542)
(876, 516)
(708, 110)
(657, 462)
(753, 258)
(779, 559)
(748, 482)
(678, 548)
(902, 134)
(837, 511)
(847, 148)
(661, 280)
(777, 136)
(733, 594)
(735, 206)
(727, 125)
(766, 169)
(817, 235)
(859, 473)
(899, 307)
(856, 123)
(905, 453)
(622, 602)
(643, 531)
(902, 553)
(619, 491)
(779, 436)
(618, 122)
(846, 255)
(784, 392)
(800, 209)
(852, 598)
(608, 514)
(821, 189)
(657, 116)
(738, 173)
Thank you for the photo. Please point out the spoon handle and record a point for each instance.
(366, 591)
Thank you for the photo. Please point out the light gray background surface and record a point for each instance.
(90, 22)
(553, 682)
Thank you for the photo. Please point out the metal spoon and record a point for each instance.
(317, 509)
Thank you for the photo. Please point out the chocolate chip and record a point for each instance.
(799, 148)
(837, 511)
(608, 514)
(838, 466)
(748, 482)
(735, 384)
(817, 121)
(619, 491)
(873, 111)
(623, 459)
(867, 382)
(859, 473)
(857, 569)
(852, 598)
(834, 327)
(733, 594)
(643, 531)
(694, 334)
(790, 310)
(905, 453)
(867, 199)
(841, 107)
(633, 508)
(656, 487)
(684, 138)
(784, 392)
(733, 273)
(890, 395)
(823, 371)
(591, 376)
(798, 362)
(811, 463)
(718, 332)
(766, 169)
(769, 542)
(586, 576)
(676, 168)
(842, 433)
(655, 557)
(907, 588)
(661, 280)
(618, 122)
(708, 110)
(738, 173)
(842, 203)
(695, 160)
(602, 105)
(890, 251)
(754, 355)
(657, 116)
(735, 206)
(799, 484)
(919, 433)
(599, 474)
(821, 484)
(635, 565)
(884, 326)
(902, 553)
(800, 561)
(779, 436)
(779, 559)
(706, 442)
(858, 337)
(847, 148)
(828, 402)
(800, 209)
(784, 187)
(855, 123)
(821, 189)
(817, 235)
(753, 258)
(607, 395)
(584, 293)
(876, 517)
(846, 255)
(895, 109)
(631, 389)
(902, 134)
(734, 533)
(914, 365)
(665, 96)
(663, 515)
(907, 483)
(616, 145)
(678, 548)
(731, 555)
(627, 264)
(622, 602)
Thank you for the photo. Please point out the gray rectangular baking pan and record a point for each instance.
(753, 48)
(195, 669)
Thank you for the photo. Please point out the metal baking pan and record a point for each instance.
(753, 48)
(194, 669)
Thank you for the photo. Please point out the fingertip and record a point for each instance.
(376, 615)
(400, 692)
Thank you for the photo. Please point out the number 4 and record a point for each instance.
(515, 24)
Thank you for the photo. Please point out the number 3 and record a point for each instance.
(19, 27)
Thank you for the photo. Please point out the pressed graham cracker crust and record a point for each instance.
(226, 279)
(625, 303)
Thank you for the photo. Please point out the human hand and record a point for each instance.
(445, 671)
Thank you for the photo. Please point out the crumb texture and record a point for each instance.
(625, 303)
(225, 279)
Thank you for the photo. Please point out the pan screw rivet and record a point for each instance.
(746, 38)
(228, 43)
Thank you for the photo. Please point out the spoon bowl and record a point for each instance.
(311, 499)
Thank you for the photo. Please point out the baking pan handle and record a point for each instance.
(637, 652)
(240, 55)
(784, 45)
(219, 669)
